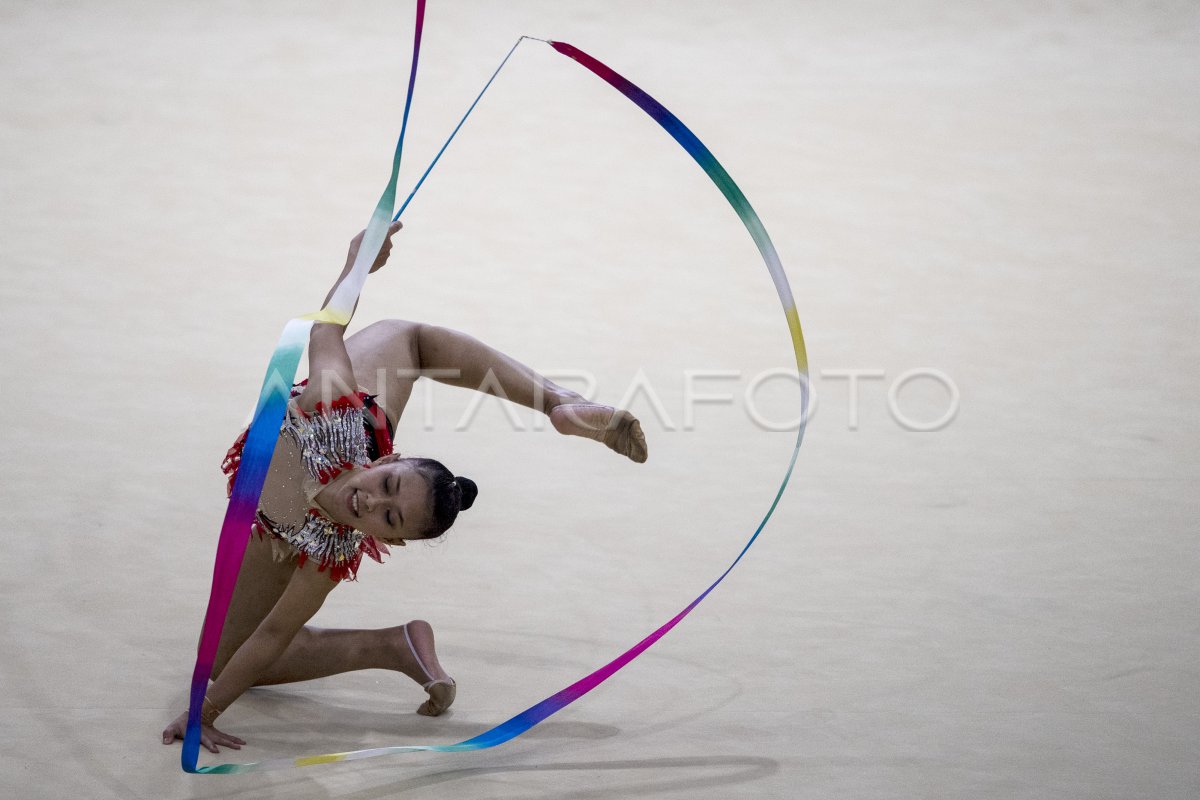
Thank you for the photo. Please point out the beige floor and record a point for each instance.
(1005, 608)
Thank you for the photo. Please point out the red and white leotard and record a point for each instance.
(351, 431)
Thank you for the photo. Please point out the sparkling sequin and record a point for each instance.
(330, 440)
(327, 441)
(319, 538)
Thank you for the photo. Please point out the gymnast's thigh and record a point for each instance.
(386, 362)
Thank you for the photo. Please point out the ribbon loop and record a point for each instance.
(261, 438)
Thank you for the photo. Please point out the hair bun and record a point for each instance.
(469, 491)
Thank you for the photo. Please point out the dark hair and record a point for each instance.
(450, 494)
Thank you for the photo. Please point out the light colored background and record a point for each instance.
(1006, 192)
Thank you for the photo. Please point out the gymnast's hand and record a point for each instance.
(384, 251)
(210, 737)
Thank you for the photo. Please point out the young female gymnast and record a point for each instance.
(335, 492)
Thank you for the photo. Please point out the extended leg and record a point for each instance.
(456, 359)
(319, 653)
(389, 356)
(461, 360)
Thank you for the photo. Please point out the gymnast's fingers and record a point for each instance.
(227, 739)
(384, 253)
(220, 737)
(176, 729)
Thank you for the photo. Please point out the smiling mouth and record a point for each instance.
(352, 503)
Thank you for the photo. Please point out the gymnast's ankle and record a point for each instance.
(558, 396)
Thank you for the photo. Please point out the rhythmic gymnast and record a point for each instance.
(335, 492)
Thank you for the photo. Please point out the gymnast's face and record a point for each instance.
(389, 501)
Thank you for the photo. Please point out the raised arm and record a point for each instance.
(330, 372)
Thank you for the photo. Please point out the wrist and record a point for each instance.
(209, 712)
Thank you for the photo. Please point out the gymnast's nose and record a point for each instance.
(371, 502)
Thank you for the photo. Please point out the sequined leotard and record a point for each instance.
(350, 431)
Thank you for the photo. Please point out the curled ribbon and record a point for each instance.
(268, 415)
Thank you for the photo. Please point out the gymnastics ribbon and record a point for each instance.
(264, 430)
(229, 558)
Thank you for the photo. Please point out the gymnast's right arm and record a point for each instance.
(330, 373)
(304, 595)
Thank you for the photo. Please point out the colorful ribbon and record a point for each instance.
(264, 432)
(272, 401)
